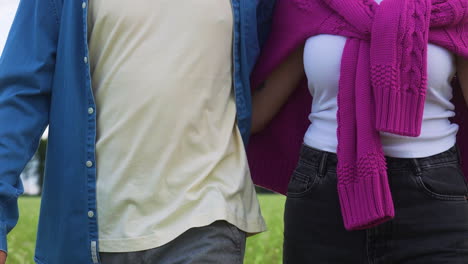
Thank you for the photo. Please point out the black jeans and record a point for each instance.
(431, 223)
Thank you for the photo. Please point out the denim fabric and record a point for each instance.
(45, 80)
(217, 243)
(431, 223)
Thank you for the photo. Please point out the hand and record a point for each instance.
(3, 256)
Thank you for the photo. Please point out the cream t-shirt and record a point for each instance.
(169, 154)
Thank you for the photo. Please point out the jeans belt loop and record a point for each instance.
(323, 164)
(417, 167)
(457, 149)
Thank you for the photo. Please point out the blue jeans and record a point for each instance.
(431, 223)
(218, 243)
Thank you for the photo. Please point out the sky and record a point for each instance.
(7, 13)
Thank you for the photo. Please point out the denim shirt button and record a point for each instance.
(89, 164)
(85, 59)
(83, 5)
(90, 214)
(90, 110)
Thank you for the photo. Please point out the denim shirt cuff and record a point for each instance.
(3, 237)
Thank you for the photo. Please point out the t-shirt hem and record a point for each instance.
(434, 149)
(404, 153)
(160, 239)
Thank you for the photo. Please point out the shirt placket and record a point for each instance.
(90, 162)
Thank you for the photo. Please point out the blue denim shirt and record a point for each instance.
(45, 80)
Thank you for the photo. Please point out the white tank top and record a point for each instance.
(322, 62)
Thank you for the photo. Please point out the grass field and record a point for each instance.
(265, 248)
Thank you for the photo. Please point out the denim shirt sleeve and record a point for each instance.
(26, 76)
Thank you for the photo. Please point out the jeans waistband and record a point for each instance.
(327, 161)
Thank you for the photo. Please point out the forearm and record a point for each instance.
(268, 99)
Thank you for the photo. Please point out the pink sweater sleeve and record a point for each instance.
(273, 153)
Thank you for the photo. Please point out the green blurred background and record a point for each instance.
(265, 248)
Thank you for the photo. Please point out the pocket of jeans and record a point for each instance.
(303, 179)
(445, 183)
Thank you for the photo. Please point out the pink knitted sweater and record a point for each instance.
(382, 88)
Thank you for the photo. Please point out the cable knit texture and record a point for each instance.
(382, 87)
